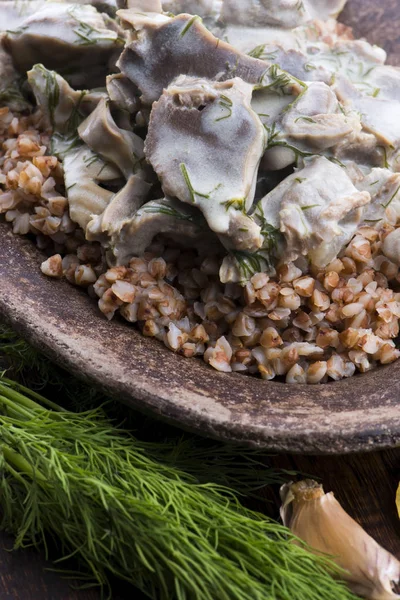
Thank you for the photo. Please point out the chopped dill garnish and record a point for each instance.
(278, 80)
(225, 103)
(376, 92)
(126, 510)
(392, 198)
(309, 67)
(272, 133)
(272, 236)
(249, 263)
(17, 31)
(337, 161)
(191, 189)
(61, 144)
(257, 52)
(52, 91)
(372, 220)
(308, 119)
(189, 25)
(90, 159)
(237, 203)
(75, 117)
(170, 211)
(385, 157)
(309, 206)
(87, 34)
(300, 179)
(374, 183)
(296, 151)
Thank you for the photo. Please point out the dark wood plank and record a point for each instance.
(364, 484)
(22, 577)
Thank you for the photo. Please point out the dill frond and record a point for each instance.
(78, 479)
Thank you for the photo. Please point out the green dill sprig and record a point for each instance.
(189, 25)
(307, 119)
(257, 52)
(170, 211)
(272, 133)
(236, 203)
(279, 81)
(61, 145)
(271, 234)
(207, 461)
(309, 207)
(250, 263)
(17, 31)
(260, 53)
(52, 90)
(192, 192)
(87, 35)
(309, 67)
(225, 103)
(297, 152)
(78, 479)
(391, 199)
(75, 118)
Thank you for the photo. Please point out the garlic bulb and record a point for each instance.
(319, 520)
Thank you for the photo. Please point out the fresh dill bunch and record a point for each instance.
(77, 479)
(243, 469)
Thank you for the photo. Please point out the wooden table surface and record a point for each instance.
(365, 485)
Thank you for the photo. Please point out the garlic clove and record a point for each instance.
(319, 520)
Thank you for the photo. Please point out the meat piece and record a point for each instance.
(13, 13)
(123, 206)
(84, 174)
(384, 187)
(67, 34)
(391, 246)
(148, 6)
(205, 143)
(122, 148)
(203, 8)
(168, 47)
(318, 209)
(309, 39)
(313, 122)
(283, 13)
(363, 149)
(379, 116)
(106, 227)
(63, 107)
(123, 93)
(317, 120)
(167, 216)
(10, 92)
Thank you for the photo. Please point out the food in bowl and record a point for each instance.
(229, 180)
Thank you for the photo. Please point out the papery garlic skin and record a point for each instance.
(319, 520)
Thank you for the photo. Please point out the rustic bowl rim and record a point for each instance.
(358, 414)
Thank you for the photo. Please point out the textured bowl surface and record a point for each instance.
(359, 414)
